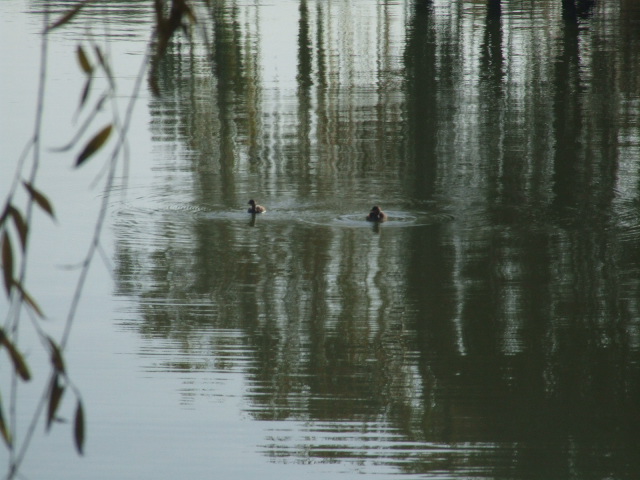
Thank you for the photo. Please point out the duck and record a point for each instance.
(255, 208)
(376, 215)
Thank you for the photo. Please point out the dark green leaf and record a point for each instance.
(56, 356)
(85, 125)
(4, 429)
(84, 61)
(40, 199)
(94, 145)
(55, 395)
(7, 262)
(67, 16)
(5, 213)
(78, 431)
(28, 299)
(85, 91)
(19, 364)
(104, 64)
(21, 226)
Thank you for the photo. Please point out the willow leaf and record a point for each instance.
(56, 356)
(29, 299)
(40, 199)
(94, 145)
(21, 226)
(67, 17)
(5, 213)
(104, 64)
(83, 60)
(19, 364)
(83, 128)
(78, 430)
(85, 92)
(4, 429)
(7, 262)
(55, 395)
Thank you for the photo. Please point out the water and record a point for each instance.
(489, 329)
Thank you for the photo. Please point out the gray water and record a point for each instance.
(489, 329)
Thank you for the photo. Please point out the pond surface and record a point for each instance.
(489, 329)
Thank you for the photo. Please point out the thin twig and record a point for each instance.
(13, 402)
(18, 458)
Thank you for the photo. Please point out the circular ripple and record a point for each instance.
(396, 219)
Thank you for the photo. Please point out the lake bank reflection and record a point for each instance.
(470, 355)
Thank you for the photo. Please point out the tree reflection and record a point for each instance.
(512, 328)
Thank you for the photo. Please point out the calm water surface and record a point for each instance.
(490, 329)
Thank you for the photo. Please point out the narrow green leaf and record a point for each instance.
(21, 226)
(28, 299)
(67, 16)
(5, 213)
(104, 64)
(55, 395)
(78, 431)
(40, 199)
(56, 356)
(85, 92)
(94, 145)
(83, 60)
(19, 364)
(96, 49)
(85, 125)
(4, 429)
(7, 262)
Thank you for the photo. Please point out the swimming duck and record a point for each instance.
(255, 208)
(376, 215)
